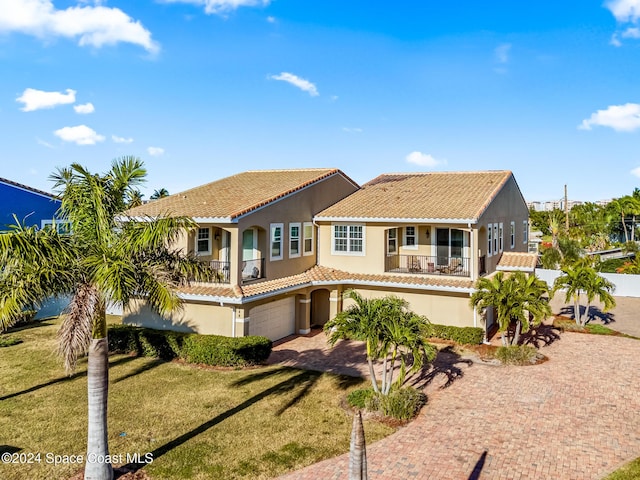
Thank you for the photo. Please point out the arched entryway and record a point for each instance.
(319, 307)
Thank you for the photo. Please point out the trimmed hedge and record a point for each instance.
(191, 347)
(461, 335)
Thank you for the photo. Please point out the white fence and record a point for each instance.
(626, 285)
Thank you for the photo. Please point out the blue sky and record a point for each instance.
(202, 89)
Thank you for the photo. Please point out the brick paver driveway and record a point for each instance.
(576, 416)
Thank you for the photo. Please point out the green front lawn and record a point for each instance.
(197, 423)
(631, 471)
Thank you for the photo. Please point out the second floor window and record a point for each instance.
(203, 241)
(490, 239)
(410, 237)
(513, 234)
(276, 241)
(392, 240)
(308, 238)
(348, 239)
(294, 240)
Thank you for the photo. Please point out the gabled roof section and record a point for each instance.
(42, 193)
(514, 261)
(446, 196)
(231, 197)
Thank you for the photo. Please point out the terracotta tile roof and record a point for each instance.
(433, 195)
(322, 275)
(518, 261)
(30, 189)
(234, 196)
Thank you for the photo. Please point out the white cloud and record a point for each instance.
(271, 19)
(44, 144)
(622, 118)
(624, 10)
(296, 81)
(38, 99)
(80, 135)
(351, 130)
(220, 7)
(423, 159)
(93, 25)
(84, 108)
(615, 41)
(118, 139)
(501, 53)
(636, 172)
(155, 151)
(631, 32)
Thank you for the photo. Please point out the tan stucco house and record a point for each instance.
(285, 245)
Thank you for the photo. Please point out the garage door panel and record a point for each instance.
(273, 320)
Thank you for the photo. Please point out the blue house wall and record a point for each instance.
(31, 206)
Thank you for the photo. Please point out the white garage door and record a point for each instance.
(274, 320)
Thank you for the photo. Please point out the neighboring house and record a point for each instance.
(287, 244)
(29, 205)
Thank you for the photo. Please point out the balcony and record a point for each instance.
(252, 269)
(221, 271)
(428, 265)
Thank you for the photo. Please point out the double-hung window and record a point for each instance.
(307, 232)
(495, 238)
(348, 240)
(203, 241)
(276, 241)
(501, 240)
(525, 233)
(490, 239)
(411, 238)
(294, 240)
(513, 234)
(392, 240)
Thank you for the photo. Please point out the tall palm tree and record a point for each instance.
(161, 193)
(101, 260)
(357, 450)
(517, 299)
(584, 279)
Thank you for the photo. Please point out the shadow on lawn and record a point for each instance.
(303, 381)
(151, 364)
(62, 379)
(447, 363)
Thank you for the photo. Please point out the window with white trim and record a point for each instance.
(294, 240)
(489, 239)
(495, 238)
(513, 234)
(63, 227)
(348, 240)
(525, 233)
(307, 238)
(276, 241)
(411, 238)
(501, 240)
(203, 241)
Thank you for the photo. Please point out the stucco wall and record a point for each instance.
(194, 317)
(29, 207)
(439, 307)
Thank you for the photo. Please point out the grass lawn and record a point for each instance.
(197, 423)
(631, 471)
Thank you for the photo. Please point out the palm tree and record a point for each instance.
(357, 450)
(163, 192)
(101, 260)
(516, 299)
(390, 331)
(582, 279)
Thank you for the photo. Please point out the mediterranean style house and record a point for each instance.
(286, 244)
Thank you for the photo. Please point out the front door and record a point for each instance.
(442, 246)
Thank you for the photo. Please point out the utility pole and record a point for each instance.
(566, 210)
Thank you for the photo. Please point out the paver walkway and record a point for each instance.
(576, 416)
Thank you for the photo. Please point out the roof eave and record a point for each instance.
(461, 221)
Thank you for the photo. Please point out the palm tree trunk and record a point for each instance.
(372, 374)
(633, 228)
(576, 309)
(585, 318)
(358, 450)
(384, 376)
(504, 339)
(390, 374)
(516, 336)
(624, 227)
(96, 467)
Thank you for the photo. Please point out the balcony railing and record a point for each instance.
(428, 265)
(253, 269)
(221, 271)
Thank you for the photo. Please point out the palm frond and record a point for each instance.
(75, 331)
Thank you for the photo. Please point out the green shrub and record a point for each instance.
(359, 398)
(192, 347)
(461, 335)
(402, 403)
(517, 355)
(225, 351)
